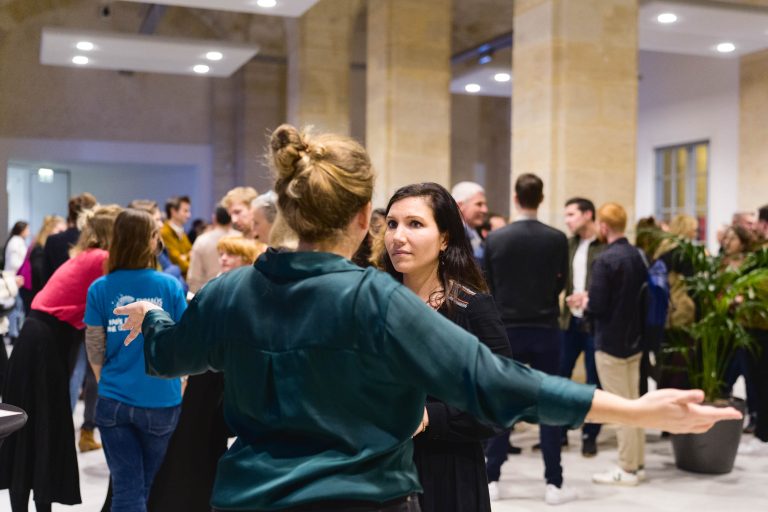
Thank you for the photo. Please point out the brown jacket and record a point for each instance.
(178, 247)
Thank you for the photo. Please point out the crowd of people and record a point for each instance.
(367, 361)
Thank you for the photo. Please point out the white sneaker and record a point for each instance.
(616, 476)
(641, 476)
(753, 446)
(559, 495)
(493, 491)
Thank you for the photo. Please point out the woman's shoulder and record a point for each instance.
(469, 299)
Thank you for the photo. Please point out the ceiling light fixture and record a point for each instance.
(267, 4)
(485, 58)
(214, 56)
(45, 175)
(666, 18)
(472, 88)
(726, 47)
(80, 60)
(84, 46)
(502, 77)
(201, 69)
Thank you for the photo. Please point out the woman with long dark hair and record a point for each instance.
(427, 250)
(327, 365)
(136, 413)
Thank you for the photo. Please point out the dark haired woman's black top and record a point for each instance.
(449, 454)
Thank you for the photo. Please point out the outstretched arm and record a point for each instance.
(672, 410)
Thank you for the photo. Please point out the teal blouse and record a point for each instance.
(327, 366)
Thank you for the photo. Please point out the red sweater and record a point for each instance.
(64, 294)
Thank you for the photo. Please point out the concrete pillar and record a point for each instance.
(223, 136)
(753, 131)
(263, 109)
(480, 146)
(574, 105)
(408, 116)
(319, 45)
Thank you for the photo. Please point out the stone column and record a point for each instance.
(319, 46)
(408, 118)
(574, 105)
(753, 131)
(263, 110)
(223, 139)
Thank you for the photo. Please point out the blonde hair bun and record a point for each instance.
(321, 181)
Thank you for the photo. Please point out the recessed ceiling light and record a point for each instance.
(666, 17)
(201, 69)
(502, 77)
(45, 175)
(80, 60)
(84, 46)
(266, 3)
(726, 47)
(472, 88)
(214, 55)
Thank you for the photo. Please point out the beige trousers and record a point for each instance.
(622, 377)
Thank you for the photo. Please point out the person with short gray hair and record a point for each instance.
(470, 197)
(264, 211)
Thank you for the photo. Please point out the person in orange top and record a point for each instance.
(178, 210)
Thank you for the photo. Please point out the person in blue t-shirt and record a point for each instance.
(136, 414)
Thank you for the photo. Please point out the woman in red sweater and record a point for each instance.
(41, 457)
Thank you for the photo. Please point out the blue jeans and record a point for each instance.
(539, 347)
(135, 440)
(575, 341)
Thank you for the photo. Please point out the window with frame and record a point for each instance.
(682, 183)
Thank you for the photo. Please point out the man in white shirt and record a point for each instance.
(583, 247)
(204, 260)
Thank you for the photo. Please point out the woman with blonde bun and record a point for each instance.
(327, 365)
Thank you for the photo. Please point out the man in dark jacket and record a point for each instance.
(57, 246)
(614, 304)
(583, 248)
(526, 264)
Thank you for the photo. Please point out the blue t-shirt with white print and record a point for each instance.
(123, 377)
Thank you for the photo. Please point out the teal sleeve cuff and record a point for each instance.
(564, 402)
(152, 318)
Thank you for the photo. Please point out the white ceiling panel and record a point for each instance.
(700, 28)
(142, 53)
(290, 8)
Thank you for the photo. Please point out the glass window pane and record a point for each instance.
(681, 171)
(667, 167)
(702, 158)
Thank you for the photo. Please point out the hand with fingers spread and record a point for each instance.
(136, 312)
(680, 411)
(672, 410)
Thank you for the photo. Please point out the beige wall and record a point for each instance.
(59, 102)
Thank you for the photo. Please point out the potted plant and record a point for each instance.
(729, 300)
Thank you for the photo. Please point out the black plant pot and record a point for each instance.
(712, 452)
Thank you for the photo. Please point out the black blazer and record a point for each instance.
(526, 263)
(449, 455)
(57, 250)
(615, 301)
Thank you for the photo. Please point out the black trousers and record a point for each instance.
(405, 504)
(759, 367)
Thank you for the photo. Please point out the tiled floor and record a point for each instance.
(667, 489)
